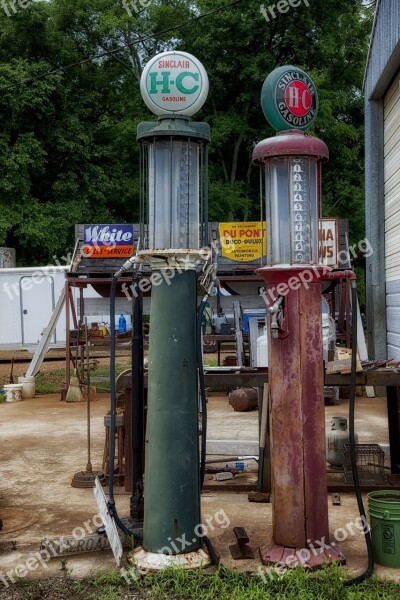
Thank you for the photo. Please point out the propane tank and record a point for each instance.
(262, 349)
(335, 438)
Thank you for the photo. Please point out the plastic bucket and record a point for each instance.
(13, 392)
(384, 512)
(28, 387)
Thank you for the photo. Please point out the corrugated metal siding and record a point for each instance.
(385, 41)
(392, 180)
(382, 65)
(392, 215)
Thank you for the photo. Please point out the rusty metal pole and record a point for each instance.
(297, 416)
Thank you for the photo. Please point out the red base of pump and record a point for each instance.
(310, 558)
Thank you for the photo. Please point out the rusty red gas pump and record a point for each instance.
(291, 163)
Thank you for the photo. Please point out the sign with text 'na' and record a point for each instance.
(329, 242)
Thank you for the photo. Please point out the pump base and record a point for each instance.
(294, 557)
(147, 562)
(86, 479)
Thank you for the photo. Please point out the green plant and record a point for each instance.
(64, 568)
(49, 382)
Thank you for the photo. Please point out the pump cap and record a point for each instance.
(290, 143)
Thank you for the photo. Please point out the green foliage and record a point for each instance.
(329, 39)
(68, 150)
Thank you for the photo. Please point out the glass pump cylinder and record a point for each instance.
(292, 172)
(174, 201)
(292, 210)
(174, 191)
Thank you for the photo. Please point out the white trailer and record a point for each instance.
(27, 299)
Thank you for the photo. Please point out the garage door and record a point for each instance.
(392, 215)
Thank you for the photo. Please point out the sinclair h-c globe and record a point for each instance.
(174, 82)
(291, 162)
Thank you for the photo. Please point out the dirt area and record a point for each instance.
(44, 444)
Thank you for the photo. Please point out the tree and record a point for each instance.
(328, 39)
(68, 139)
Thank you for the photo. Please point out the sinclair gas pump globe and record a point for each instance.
(292, 168)
(174, 82)
(174, 86)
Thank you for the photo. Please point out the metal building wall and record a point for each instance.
(392, 215)
(382, 66)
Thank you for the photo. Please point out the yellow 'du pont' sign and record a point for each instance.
(243, 242)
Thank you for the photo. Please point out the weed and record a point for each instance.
(64, 568)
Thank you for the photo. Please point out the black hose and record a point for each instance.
(203, 397)
(370, 567)
(111, 502)
(137, 400)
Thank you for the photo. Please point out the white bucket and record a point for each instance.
(13, 392)
(28, 387)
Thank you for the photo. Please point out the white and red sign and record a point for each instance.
(329, 242)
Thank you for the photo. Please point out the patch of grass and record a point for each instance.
(294, 585)
(176, 584)
(210, 362)
(50, 382)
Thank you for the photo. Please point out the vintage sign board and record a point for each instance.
(246, 242)
(108, 241)
(174, 83)
(109, 523)
(289, 99)
(64, 546)
(243, 242)
(329, 243)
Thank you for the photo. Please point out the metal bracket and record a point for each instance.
(241, 550)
